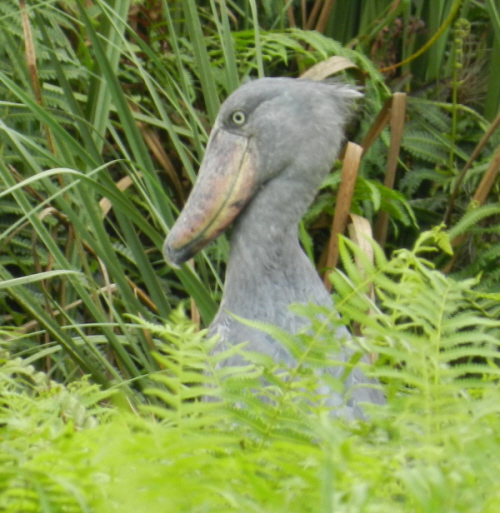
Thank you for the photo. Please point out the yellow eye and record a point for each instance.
(238, 117)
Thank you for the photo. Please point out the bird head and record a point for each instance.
(267, 128)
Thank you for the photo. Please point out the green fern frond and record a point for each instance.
(412, 180)
(431, 113)
(38, 419)
(431, 333)
(472, 217)
(424, 146)
(190, 384)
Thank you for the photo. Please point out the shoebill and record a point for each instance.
(272, 144)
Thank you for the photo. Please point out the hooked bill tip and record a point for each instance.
(171, 256)
(176, 256)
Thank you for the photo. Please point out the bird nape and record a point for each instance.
(272, 144)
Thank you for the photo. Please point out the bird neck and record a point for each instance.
(267, 228)
(266, 261)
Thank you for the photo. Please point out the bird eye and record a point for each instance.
(238, 117)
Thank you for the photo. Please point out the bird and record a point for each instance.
(272, 144)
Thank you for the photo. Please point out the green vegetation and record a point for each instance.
(105, 107)
(433, 447)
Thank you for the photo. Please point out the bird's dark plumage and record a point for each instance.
(273, 143)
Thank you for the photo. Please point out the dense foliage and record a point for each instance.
(105, 107)
(433, 447)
